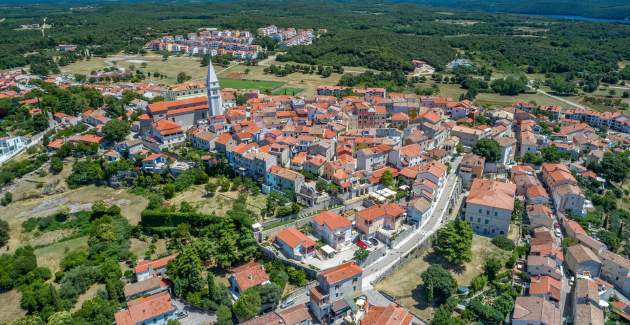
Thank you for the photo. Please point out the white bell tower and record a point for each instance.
(215, 104)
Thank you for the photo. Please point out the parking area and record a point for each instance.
(193, 316)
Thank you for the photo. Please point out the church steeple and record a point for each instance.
(215, 104)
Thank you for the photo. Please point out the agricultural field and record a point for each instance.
(405, 284)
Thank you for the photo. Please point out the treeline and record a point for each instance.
(287, 69)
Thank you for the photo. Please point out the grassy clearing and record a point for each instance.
(308, 82)
(10, 309)
(291, 91)
(139, 247)
(495, 100)
(262, 85)
(76, 200)
(90, 293)
(154, 63)
(405, 284)
(50, 256)
(217, 204)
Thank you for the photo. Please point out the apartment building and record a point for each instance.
(489, 206)
(329, 299)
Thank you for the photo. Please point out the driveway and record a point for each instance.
(195, 316)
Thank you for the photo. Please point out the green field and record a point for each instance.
(261, 85)
(291, 91)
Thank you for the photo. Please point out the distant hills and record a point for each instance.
(608, 9)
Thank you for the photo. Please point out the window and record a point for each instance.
(495, 213)
(487, 221)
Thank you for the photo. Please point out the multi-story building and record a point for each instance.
(280, 178)
(147, 269)
(586, 306)
(566, 194)
(581, 260)
(333, 229)
(489, 206)
(470, 168)
(294, 244)
(535, 311)
(378, 217)
(246, 276)
(156, 309)
(370, 159)
(616, 270)
(328, 300)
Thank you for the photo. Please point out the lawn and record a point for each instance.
(405, 283)
(291, 91)
(154, 63)
(50, 256)
(219, 203)
(495, 100)
(307, 82)
(262, 85)
(139, 247)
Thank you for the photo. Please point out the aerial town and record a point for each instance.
(346, 205)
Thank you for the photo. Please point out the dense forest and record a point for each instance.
(375, 35)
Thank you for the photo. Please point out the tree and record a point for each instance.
(562, 86)
(503, 243)
(361, 254)
(270, 294)
(248, 305)
(439, 283)
(615, 166)
(56, 165)
(478, 283)
(454, 242)
(183, 77)
(116, 130)
(387, 179)
(509, 86)
(491, 267)
(60, 318)
(489, 149)
(185, 271)
(224, 315)
(4, 233)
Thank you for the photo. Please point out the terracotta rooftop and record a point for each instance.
(249, 275)
(143, 309)
(294, 238)
(145, 265)
(381, 210)
(332, 220)
(341, 272)
(390, 315)
(492, 193)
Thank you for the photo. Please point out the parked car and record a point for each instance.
(285, 304)
(181, 314)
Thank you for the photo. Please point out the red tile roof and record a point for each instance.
(341, 272)
(249, 275)
(145, 265)
(381, 210)
(142, 309)
(294, 238)
(332, 220)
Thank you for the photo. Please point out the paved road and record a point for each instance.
(564, 100)
(373, 271)
(195, 316)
